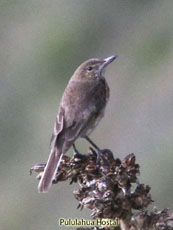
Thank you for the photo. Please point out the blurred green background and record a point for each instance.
(41, 43)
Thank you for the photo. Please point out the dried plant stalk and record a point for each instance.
(106, 189)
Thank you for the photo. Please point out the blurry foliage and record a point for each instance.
(153, 51)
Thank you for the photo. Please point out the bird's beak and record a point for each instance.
(106, 62)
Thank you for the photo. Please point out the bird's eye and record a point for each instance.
(89, 68)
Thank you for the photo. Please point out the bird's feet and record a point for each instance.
(100, 154)
(77, 153)
(98, 150)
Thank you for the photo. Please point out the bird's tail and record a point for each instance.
(50, 170)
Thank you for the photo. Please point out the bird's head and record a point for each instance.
(93, 68)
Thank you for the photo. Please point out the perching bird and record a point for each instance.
(81, 108)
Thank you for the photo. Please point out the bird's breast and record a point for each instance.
(85, 100)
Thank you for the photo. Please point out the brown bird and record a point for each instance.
(82, 107)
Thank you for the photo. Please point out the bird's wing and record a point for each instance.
(66, 132)
(58, 127)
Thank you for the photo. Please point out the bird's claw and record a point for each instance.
(76, 153)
